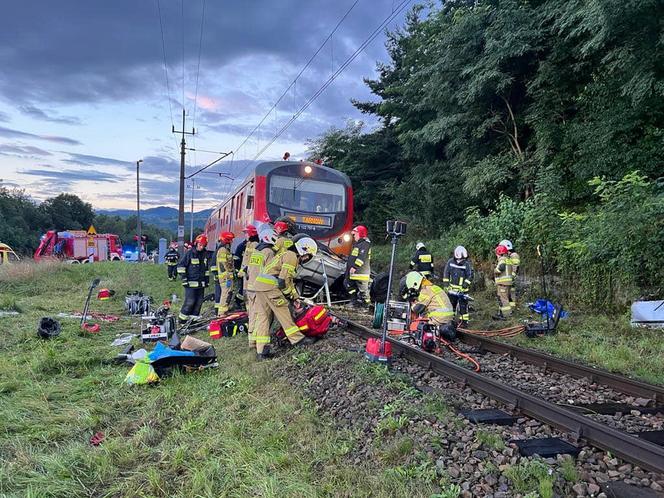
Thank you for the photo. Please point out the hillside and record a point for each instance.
(161, 216)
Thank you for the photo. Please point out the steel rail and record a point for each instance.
(619, 383)
(638, 451)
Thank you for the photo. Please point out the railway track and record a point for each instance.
(636, 450)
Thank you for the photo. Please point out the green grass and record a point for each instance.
(234, 431)
(490, 440)
(531, 476)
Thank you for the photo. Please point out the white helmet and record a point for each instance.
(507, 244)
(460, 252)
(419, 245)
(267, 234)
(306, 245)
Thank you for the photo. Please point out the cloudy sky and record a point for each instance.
(84, 92)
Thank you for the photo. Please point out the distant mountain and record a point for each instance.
(162, 216)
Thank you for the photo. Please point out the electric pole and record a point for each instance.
(181, 206)
(138, 212)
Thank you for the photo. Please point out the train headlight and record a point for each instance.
(308, 169)
(347, 237)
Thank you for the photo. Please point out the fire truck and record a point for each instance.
(79, 246)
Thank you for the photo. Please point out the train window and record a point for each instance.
(250, 201)
(239, 208)
(313, 196)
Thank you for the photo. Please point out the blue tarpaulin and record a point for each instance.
(543, 306)
(161, 351)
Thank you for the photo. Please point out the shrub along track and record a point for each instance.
(561, 389)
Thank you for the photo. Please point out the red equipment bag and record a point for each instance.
(314, 322)
(229, 325)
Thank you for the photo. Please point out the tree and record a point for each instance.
(68, 212)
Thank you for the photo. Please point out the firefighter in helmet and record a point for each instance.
(251, 242)
(262, 253)
(172, 257)
(285, 228)
(428, 299)
(358, 268)
(514, 261)
(275, 289)
(223, 270)
(194, 271)
(504, 279)
(241, 256)
(422, 260)
(457, 277)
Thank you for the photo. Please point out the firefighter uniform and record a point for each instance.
(274, 289)
(223, 270)
(504, 280)
(433, 302)
(172, 257)
(514, 261)
(422, 262)
(238, 283)
(357, 283)
(252, 265)
(195, 274)
(457, 277)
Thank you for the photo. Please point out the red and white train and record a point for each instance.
(317, 198)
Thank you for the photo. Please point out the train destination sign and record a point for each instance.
(311, 219)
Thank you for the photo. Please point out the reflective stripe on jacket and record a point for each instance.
(172, 257)
(259, 255)
(246, 254)
(360, 259)
(279, 273)
(437, 305)
(193, 268)
(503, 271)
(457, 276)
(422, 261)
(224, 262)
(514, 261)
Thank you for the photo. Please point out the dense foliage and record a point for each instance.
(22, 221)
(497, 116)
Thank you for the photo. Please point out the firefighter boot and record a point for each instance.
(265, 355)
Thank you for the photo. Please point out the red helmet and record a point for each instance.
(105, 294)
(201, 239)
(251, 231)
(501, 250)
(226, 237)
(280, 227)
(361, 231)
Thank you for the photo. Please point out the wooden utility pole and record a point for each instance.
(183, 145)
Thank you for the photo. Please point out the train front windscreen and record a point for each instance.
(318, 207)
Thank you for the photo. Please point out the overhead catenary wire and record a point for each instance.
(198, 68)
(331, 79)
(198, 72)
(293, 83)
(163, 48)
(182, 3)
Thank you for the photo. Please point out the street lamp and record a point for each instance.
(138, 212)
